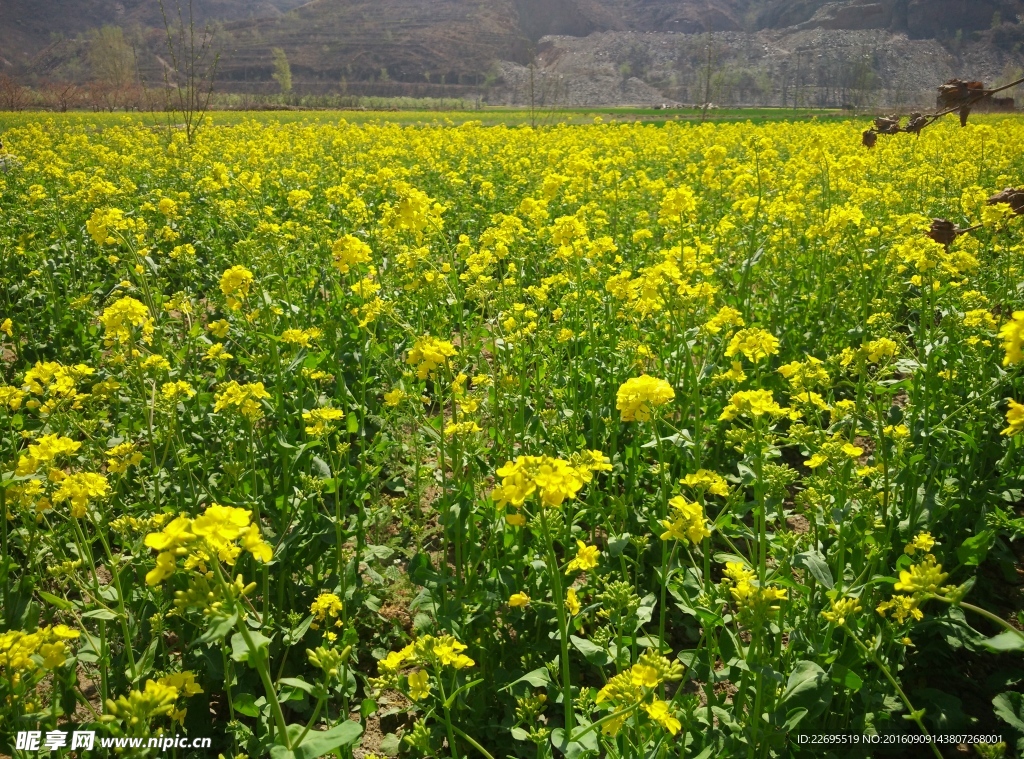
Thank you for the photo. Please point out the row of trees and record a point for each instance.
(183, 88)
(64, 95)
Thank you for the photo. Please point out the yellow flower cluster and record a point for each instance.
(753, 403)
(707, 481)
(301, 337)
(1012, 334)
(220, 531)
(119, 318)
(121, 457)
(11, 397)
(638, 686)
(687, 524)
(104, 223)
(872, 352)
(836, 450)
(428, 354)
(804, 375)
(554, 479)
(638, 396)
(245, 399)
(924, 577)
(461, 429)
(80, 488)
(349, 251)
(1014, 417)
(23, 653)
(430, 653)
(755, 344)
(916, 584)
(320, 421)
(140, 707)
(754, 601)
(585, 560)
(923, 542)
(326, 609)
(44, 451)
(841, 610)
(235, 283)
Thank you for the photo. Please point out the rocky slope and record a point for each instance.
(805, 66)
(583, 51)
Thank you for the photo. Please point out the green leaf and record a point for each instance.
(793, 718)
(294, 635)
(725, 558)
(1009, 708)
(1005, 641)
(248, 704)
(846, 677)
(57, 601)
(815, 563)
(299, 683)
(390, 745)
(317, 743)
(574, 749)
(809, 688)
(591, 652)
(367, 707)
(646, 610)
(320, 468)
(145, 663)
(617, 544)
(973, 550)
(219, 628)
(101, 614)
(471, 684)
(538, 678)
(378, 552)
(240, 650)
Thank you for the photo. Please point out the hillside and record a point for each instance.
(30, 26)
(431, 47)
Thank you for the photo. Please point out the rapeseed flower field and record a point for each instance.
(609, 440)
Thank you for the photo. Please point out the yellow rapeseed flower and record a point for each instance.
(637, 397)
(1014, 418)
(586, 558)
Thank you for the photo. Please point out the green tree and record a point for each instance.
(112, 61)
(282, 70)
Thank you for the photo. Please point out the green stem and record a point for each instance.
(122, 616)
(448, 720)
(666, 566)
(574, 737)
(256, 656)
(892, 680)
(472, 742)
(556, 583)
(986, 614)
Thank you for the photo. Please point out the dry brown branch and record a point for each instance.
(945, 232)
(956, 95)
(1012, 197)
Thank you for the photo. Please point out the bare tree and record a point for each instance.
(61, 95)
(710, 78)
(13, 97)
(190, 75)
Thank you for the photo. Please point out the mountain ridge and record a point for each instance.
(362, 45)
